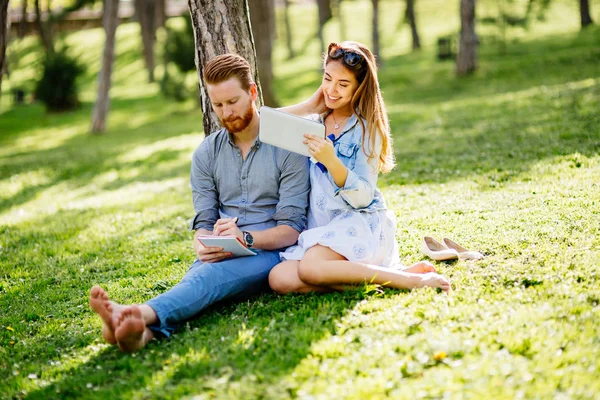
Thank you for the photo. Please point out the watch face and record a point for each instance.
(248, 239)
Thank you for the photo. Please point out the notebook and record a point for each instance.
(285, 130)
(228, 243)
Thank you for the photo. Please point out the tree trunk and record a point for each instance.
(375, 20)
(220, 27)
(325, 14)
(4, 29)
(466, 61)
(146, 14)
(584, 10)
(262, 14)
(110, 22)
(23, 23)
(410, 17)
(340, 17)
(43, 32)
(288, 30)
(161, 13)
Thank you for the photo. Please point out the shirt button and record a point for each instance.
(243, 178)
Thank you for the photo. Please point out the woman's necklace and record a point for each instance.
(336, 126)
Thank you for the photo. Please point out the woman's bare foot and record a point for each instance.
(422, 267)
(131, 333)
(101, 304)
(432, 279)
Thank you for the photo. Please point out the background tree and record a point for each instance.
(221, 26)
(44, 27)
(584, 11)
(288, 29)
(466, 61)
(375, 31)
(262, 16)
(409, 16)
(146, 14)
(325, 14)
(4, 22)
(23, 22)
(110, 21)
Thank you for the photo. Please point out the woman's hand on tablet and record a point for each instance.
(321, 149)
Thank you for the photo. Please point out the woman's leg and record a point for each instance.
(283, 279)
(322, 266)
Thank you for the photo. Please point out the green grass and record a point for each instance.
(506, 162)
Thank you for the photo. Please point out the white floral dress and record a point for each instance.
(363, 234)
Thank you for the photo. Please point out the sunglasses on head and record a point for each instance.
(351, 58)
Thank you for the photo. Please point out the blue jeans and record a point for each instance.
(207, 283)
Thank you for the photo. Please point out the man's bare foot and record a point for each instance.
(422, 267)
(434, 280)
(100, 303)
(131, 333)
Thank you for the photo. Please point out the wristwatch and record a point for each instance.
(248, 239)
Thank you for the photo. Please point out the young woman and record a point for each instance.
(351, 234)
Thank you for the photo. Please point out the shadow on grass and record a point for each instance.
(217, 350)
(81, 157)
(257, 341)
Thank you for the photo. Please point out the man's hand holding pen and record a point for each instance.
(228, 227)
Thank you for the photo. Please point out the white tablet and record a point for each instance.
(285, 130)
(228, 243)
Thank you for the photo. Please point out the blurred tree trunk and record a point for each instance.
(466, 61)
(4, 29)
(146, 13)
(288, 30)
(584, 10)
(262, 16)
(325, 14)
(110, 21)
(375, 33)
(340, 17)
(221, 26)
(23, 22)
(410, 17)
(42, 28)
(161, 13)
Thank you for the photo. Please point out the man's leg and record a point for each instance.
(207, 283)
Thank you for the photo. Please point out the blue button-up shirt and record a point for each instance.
(360, 190)
(267, 189)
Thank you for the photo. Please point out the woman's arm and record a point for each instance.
(314, 105)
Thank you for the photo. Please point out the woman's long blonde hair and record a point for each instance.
(368, 102)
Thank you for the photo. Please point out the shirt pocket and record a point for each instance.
(347, 154)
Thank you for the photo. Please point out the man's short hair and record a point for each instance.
(227, 66)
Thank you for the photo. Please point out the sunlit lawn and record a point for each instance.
(505, 162)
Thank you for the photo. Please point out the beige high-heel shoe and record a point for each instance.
(463, 253)
(436, 250)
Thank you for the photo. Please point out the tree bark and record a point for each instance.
(375, 31)
(161, 13)
(110, 22)
(22, 28)
(288, 30)
(262, 16)
(340, 17)
(146, 14)
(220, 27)
(466, 61)
(584, 11)
(410, 17)
(325, 14)
(42, 29)
(4, 29)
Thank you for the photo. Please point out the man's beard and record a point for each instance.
(237, 124)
